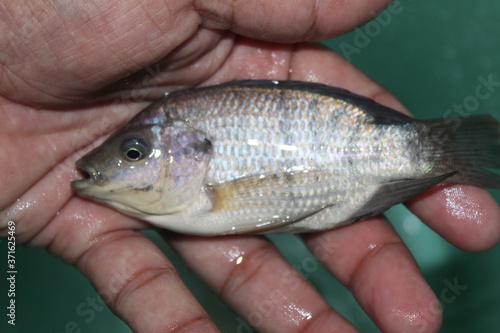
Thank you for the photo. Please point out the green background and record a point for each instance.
(430, 54)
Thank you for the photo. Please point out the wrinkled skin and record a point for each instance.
(74, 72)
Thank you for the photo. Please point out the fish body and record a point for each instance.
(279, 156)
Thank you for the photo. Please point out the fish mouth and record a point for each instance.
(91, 176)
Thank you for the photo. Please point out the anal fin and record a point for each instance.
(274, 224)
(396, 192)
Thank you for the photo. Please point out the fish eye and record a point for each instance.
(134, 149)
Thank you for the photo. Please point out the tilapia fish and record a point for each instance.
(279, 157)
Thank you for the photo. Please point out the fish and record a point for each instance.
(266, 156)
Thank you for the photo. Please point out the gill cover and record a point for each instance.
(187, 153)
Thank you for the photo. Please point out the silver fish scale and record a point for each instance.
(255, 133)
(326, 152)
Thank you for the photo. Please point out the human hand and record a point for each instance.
(61, 65)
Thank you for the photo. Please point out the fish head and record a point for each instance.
(146, 170)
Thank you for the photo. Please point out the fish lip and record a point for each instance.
(87, 169)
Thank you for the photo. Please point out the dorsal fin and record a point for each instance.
(381, 114)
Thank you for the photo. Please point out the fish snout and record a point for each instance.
(91, 176)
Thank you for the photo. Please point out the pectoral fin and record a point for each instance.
(272, 200)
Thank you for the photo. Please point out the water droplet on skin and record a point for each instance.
(409, 318)
(291, 311)
(297, 314)
(17, 210)
(460, 206)
(234, 254)
(312, 77)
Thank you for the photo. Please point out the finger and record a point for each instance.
(48, 136)
(254, 279)
(288, 21)
(467, 216)
(371, 260)
(58, 55)
(51, 61)
(33, 193)
(130, 273)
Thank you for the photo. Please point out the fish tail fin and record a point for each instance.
(470, 146)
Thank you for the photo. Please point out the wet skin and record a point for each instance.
(77, 72)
